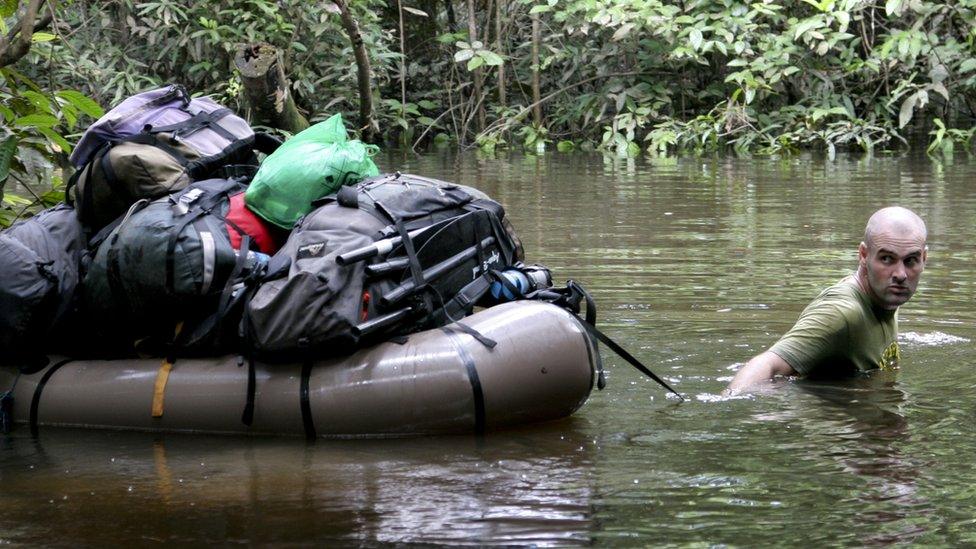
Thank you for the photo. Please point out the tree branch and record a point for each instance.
(17, 43)
(504, 123)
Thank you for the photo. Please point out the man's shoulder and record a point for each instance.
(843, 298)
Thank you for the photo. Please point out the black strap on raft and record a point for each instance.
(7, 407)
(247, 417)
(307, 420)
(478, 336)
(477, 392)
(570, 299)
(36, 400)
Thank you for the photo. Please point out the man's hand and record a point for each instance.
(760, 370)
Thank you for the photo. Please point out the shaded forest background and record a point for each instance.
(627, 77)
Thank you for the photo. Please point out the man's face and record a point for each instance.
(893, 263)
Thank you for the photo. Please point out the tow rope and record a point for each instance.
(569, 298)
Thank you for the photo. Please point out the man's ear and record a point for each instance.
(862, 254)
(925, 255)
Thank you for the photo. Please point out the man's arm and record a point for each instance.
(761, 369)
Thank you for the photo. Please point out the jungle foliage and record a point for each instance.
(622, 76)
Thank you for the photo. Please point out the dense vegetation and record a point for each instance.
(623, 76)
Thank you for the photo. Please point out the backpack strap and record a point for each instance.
(197, 210)
(416, 270)
(196, 123)
(146, 138)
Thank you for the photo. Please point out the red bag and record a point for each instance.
(264, 236)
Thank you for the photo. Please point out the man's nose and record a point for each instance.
(900, 273)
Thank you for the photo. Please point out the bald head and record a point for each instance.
(892, 256)
(895, 220)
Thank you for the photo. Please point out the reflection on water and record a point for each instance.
(506, 488)
(697, 264)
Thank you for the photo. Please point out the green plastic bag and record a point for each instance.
(314, 163)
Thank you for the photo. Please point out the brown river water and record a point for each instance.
(696, 265)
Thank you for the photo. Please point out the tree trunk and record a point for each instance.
(498, 49)
(367, 122)
(478, 74)
(17, 42)
(536, 93)
(403, 63)
(267, 89)
(451, 18)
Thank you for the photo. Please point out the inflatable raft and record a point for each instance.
(439, 381)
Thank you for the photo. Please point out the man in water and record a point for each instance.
(851, 326)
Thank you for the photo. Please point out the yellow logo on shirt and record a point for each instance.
(890, 356)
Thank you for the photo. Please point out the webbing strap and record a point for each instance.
(171, 247)
(481, 338)
(197, 122)
(416, 270)
(615, 347)
(108, 171)
(477, 392)
(247, 417)
(7, 406)
(463, 302)
(232, 154)
(159, 388)
(149, 139)
(307, 421)
(36, 400)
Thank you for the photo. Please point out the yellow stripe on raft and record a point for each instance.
(159, 391)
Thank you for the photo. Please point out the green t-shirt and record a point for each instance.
(841, 333)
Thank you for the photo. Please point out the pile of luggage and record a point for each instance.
(185, 232)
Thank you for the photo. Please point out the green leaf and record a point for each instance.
(565, 146)
(806, 25)
(426, 104)
(907, 109)
(82, 102)
(940, 88)
(491, 58)
(8, 7)
(446, 38)
(40, 102)
(7, 150)
(39, 37)
(623, 31)
(56, 139)
(844, 19)
(968, 65)
(36, 120)
(539, 9)
(892, 6)
(463, 55)
(475, 62)
(695, 37)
